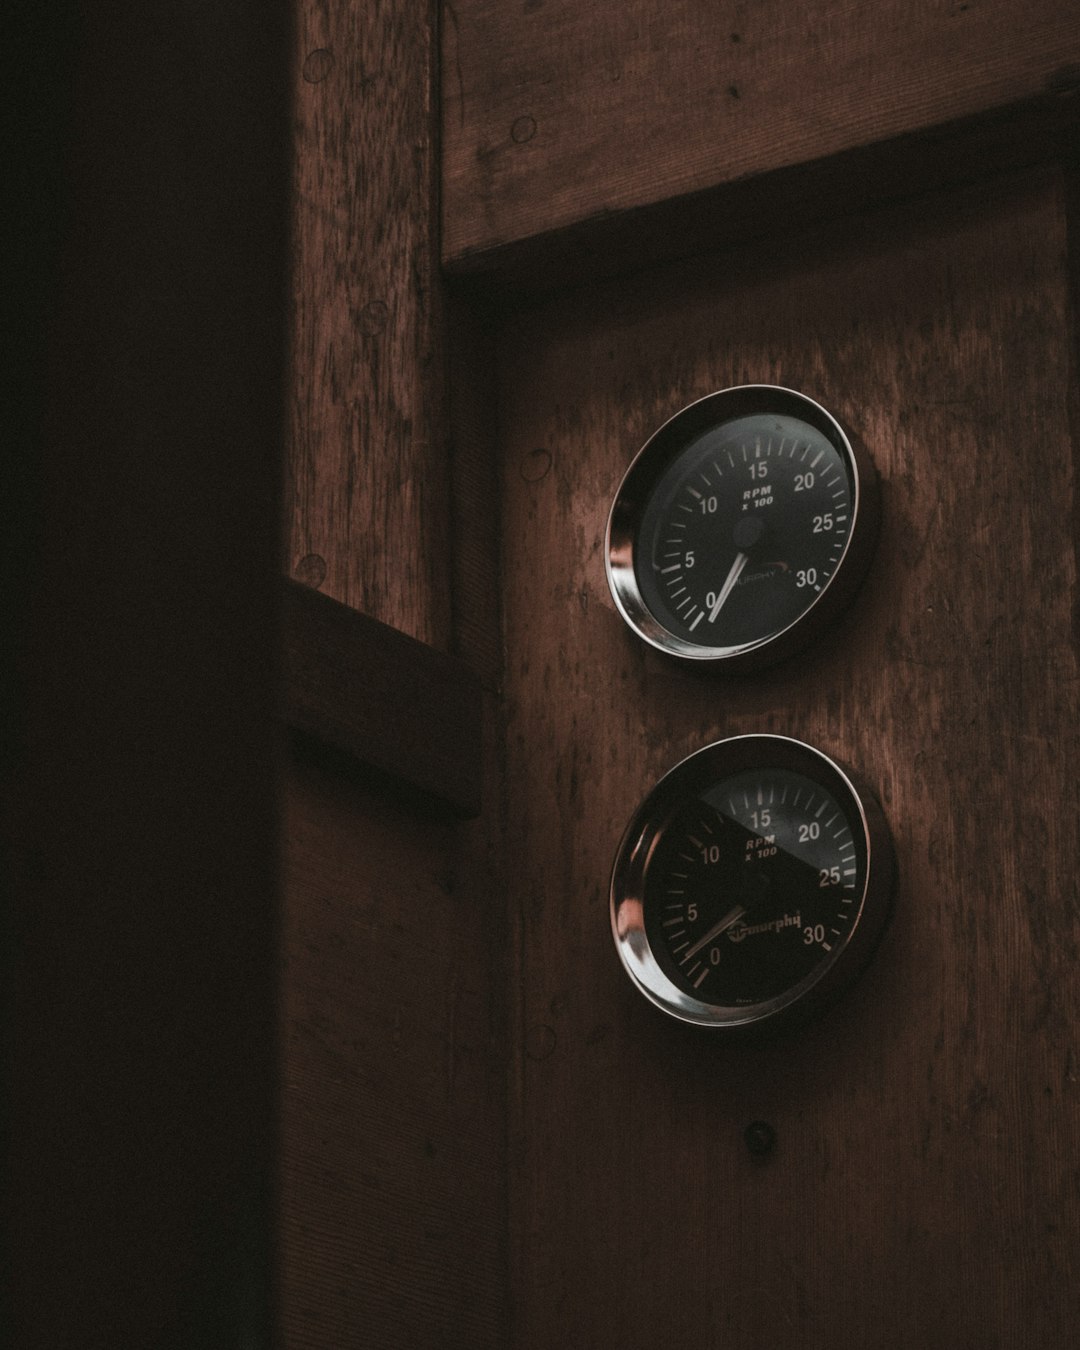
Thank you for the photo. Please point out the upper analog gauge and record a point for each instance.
(742, 527)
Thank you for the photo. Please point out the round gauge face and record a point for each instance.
(752, 884)
(742, 528)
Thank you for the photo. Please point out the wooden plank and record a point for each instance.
(783, 202)
(139, 844)
(924, 1189)
(381, 698)
(368, 509)
(393, 1110)
(393, 1115)
(569, 112)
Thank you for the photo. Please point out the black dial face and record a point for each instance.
(744, 531)
(733, 526)
(752, 884)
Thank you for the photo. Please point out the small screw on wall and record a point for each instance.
(760, 1138)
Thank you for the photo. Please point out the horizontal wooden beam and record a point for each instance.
(382, 700)
(608, 243)
(573, 113)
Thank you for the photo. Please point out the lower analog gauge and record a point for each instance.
(752, 884)
(742, 528)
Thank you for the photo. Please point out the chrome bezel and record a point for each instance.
(698, 773)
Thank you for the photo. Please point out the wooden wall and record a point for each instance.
(874, 206)
(392, 1179)
(489, 1140)
(924, 1189)
(392, 1103)
(482, 1136)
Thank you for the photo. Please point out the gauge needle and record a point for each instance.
(729, 585)
(715, 931)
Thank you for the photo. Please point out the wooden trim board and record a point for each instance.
(569, 111)
(382, 699)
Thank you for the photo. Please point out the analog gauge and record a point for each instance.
(752, 884)
(743, 527)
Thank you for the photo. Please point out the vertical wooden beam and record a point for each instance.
(392, 1205)
(369, 513)
(139, 780)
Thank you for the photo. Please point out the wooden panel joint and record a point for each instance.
(380, 699)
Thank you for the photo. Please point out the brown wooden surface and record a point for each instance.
(393, 1148)
(383, 700)
(560, 112)
(476, 553)
(392, 1110)
(138, 850)
(924, 1191)
(368, 484)
(787, 201)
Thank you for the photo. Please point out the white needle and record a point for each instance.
(729, 585)
(715, 931)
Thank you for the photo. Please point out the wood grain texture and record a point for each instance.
(925, 1190)
(368, 473)
(393, 1107)
(789, 200)
(383, 700)
(393, 1124)
(475, 511)
(559, 112)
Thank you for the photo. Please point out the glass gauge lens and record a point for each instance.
(743, 530)
(743, 526)
(752, 885)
